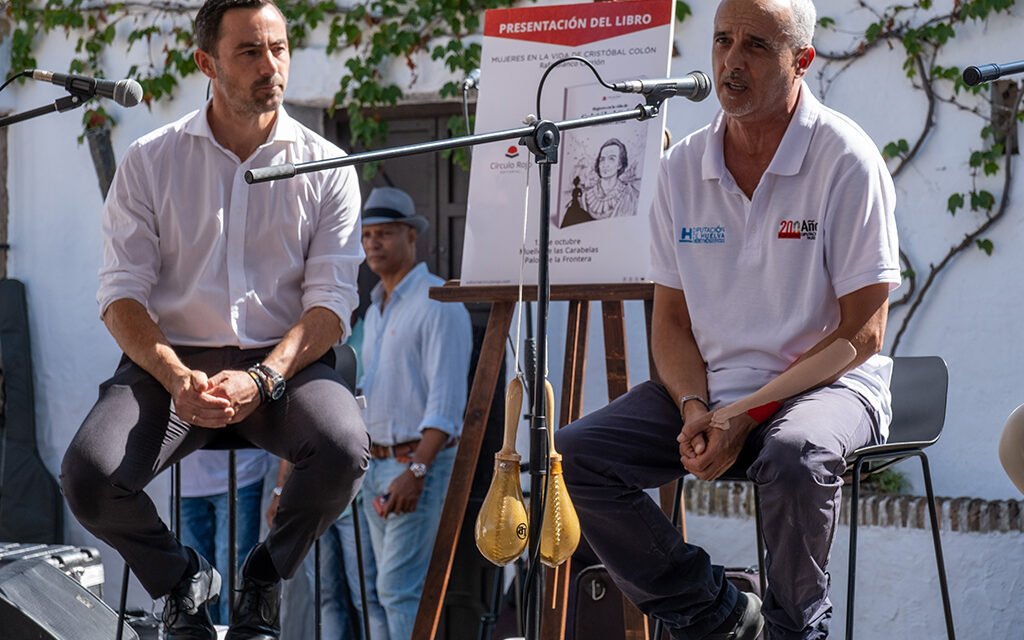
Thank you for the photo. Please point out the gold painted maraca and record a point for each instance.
(560, 534)
(502, 529)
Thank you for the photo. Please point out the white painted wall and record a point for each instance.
(970, 318)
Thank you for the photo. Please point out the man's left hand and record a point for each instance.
(405, 491)
(239, 389)
(721, 447)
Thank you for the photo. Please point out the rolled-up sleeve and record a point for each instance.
(335, 250)
(131, 251)
(447, 347)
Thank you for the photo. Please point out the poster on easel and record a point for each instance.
(604, 182)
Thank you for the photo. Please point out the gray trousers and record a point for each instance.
(131, 435)
(796, 459)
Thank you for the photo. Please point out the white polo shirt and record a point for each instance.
(763, 276)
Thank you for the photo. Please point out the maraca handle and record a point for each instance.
(513, 409)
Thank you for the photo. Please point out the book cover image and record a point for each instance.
(600, 168)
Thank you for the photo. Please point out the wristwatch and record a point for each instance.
(418, 470)
(686, 398)
(273, 382)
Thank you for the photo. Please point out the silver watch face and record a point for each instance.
(277, 390)
(418, 469)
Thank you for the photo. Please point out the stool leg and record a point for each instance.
(359, 567)
(176, 499)
(232, 531)
(851, 581)
(939, 563)
(317, 614)
(122, 609)
(762, 574)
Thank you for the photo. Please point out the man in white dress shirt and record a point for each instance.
(226, 300)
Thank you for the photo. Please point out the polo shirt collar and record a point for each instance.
(409, 281)
(789, 157)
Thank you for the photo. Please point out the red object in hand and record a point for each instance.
(765, 411)
(378, 503)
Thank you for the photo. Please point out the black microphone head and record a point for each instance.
(703, 88)
(127, 93)
(972, 76)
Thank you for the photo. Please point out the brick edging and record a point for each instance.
(969, 515)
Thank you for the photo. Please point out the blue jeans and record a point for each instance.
(340, 598)
(204, 527)
(403, 543)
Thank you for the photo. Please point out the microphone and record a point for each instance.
(472, 80)
(695, 85)
(126, 93)
(989, 72)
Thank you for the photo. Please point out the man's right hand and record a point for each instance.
(195, 404)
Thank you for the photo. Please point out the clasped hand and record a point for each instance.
(706, 451)
(227, 398)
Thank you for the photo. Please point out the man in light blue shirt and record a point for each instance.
(416, 355)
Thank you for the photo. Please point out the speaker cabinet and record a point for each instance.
(39, 602)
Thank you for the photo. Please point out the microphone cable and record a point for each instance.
(23, 74)
(543, 78)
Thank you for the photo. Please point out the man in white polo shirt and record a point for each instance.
(773, 236)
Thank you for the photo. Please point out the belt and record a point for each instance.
(401, 451)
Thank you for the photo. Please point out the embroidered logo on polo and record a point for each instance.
(798, 229)
(702, 235)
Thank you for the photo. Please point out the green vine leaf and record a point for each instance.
(982, 200)
(896, 149)
(955, 203)
(985, 245)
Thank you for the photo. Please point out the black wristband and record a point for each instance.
(257, 377)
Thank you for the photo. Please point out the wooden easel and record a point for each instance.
(503, 300)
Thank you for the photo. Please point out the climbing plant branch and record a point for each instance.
(922, 41)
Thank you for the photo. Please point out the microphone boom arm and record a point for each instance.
(60, 105)
(280, 171)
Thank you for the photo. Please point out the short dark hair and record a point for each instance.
(623, 156)
(207, 25)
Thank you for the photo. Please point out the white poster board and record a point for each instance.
(604, 182)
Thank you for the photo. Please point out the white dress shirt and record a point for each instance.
(218, 262)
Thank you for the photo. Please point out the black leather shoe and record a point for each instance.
(257, 611)
(186, 616)
(744, 623)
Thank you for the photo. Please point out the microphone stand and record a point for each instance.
(542, 138)
(67, 103)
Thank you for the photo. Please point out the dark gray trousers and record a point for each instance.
(797, 460)
(131, 435)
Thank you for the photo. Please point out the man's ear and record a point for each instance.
(205, 63)
(804, 60)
